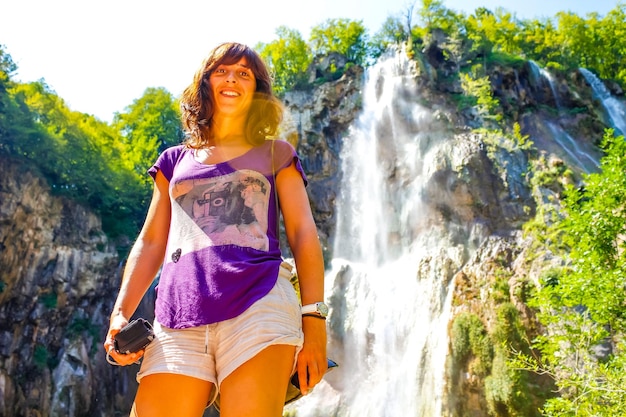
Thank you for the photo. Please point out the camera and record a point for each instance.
(134, 337)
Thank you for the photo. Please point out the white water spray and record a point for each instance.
(389, 287)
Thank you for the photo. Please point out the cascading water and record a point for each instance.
(586, 162)
(390, 283)
(574, 154)
(543, 74)
(616, 109)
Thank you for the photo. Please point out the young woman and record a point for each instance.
(227, 320)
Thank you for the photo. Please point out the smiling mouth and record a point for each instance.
(230, 93)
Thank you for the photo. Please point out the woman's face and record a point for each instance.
(233, 88)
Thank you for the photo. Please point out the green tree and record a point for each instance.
(7, 67)
(434, 15)
(479, 95)
(392, 32)
(612, 36)
(344, 36)
(81, 157)
(147, 127)
(16, 126)
(539, 41)
(506, 32)
(288, 58)
(478, 27)
(575, 40)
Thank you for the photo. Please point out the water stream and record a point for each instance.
(543, 74)
(577, 156)
(615, 109)
(585, 161)
(390, 284)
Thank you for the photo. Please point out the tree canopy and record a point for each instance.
(100, 165)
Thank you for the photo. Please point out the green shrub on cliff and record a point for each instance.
(582, 304)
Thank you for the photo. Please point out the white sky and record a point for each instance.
(99, 55)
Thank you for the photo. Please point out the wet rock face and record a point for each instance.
(318, 120)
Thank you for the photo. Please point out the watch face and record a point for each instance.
(322, 309)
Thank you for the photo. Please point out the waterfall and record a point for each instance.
(543, 74)
(615, 108)
(577, 154)
(579, 157)
(389, 287)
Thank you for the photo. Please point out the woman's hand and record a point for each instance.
(117, 323)
(312, 359)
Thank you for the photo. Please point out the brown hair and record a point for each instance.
(197, 107)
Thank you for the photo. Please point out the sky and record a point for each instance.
(99, 56)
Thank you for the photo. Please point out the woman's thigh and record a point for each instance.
(258, 387)
(170, 395)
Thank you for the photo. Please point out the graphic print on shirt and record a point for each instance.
(229, 210)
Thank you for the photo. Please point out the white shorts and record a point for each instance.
(212, 352)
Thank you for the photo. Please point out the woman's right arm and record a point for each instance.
(144, 261)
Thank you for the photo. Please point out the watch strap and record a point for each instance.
(317, 316)
(318, 308)
(309, 308)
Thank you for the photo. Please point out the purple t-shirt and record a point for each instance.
(223, 250)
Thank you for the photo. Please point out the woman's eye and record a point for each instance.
(244, 73)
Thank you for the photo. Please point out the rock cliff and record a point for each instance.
(57, 274)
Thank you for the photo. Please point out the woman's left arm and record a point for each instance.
(305, 246)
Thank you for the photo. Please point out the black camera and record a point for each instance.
(134, 337)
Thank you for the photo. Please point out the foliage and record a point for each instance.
(485, 37)
(578, 41)
(522, 141)
(593, 234)
(85, 159)
(565, 42)
(150, 125)
(392, 32)
(434, 15)
(344, 36)
(478, 90)
(582, 304)
(508, 391)
(40, 357)
(80, 156)
(288, 58)
(7, 67)
(470, 341)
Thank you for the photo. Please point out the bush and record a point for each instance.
(470, 340)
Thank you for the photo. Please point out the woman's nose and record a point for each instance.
(230, 77)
